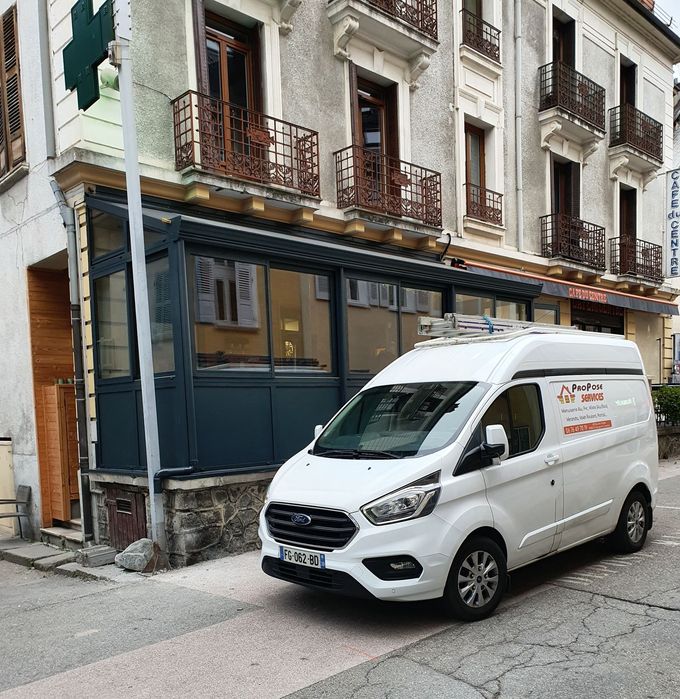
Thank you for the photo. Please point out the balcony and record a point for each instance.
(635, 141)
(481, 36)
(573, 240)
(483, 204)
(571, 110)
(406, 29)
(225, 139)
(371, 181)
(420, 14)
(637, 258)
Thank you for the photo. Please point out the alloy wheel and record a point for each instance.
(478, 579)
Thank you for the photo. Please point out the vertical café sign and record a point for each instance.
(673, 223)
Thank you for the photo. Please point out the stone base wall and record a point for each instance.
(201, 523)
(669, 442)
(214, 521)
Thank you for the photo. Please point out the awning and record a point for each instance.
(582, 292)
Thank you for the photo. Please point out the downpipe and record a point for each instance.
(69, 219)
(519, 185)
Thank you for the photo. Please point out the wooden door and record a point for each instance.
(61, 448)
(52, 359)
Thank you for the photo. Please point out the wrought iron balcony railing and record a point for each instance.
(636, 257)
(483, 204)
(481, 36)
(571, 238)
(630, 126)
(420, 14)
(224, 138)
(562, 86)
(370, 180)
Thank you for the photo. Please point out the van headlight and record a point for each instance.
(415, 500)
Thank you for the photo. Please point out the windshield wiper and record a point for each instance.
(358, 454)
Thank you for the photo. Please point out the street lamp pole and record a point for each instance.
(119, 52)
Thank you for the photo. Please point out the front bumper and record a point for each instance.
(425, 539)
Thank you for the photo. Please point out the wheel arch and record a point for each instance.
(489, 533)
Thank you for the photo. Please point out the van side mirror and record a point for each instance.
(496, 445)
(318, 429)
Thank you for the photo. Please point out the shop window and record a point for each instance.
(113, 346)
(511, 310)
(108, 233)
(416, 303)
(229, 303)
(468, 304)
(547, 313)
(160, 314)
(372, 330)
(301, 321)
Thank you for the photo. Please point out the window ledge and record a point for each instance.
(13, 176)
(479, 227)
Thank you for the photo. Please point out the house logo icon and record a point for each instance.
(565, 396)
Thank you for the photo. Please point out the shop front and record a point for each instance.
(258, 334)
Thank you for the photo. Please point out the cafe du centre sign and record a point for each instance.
(673, 223)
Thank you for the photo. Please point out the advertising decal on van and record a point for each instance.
(583, 407)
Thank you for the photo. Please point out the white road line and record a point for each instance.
(667, 507)
(668, 543)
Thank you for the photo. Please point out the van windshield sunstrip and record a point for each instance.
(400, 420)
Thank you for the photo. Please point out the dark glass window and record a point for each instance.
(113, 339)
(108, 233)
(230, 314)
(160, 313)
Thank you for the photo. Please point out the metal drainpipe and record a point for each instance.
(519, 186)
(69, 219)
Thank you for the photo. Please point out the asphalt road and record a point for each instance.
(582, 624)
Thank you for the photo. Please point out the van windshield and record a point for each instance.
(411, 419)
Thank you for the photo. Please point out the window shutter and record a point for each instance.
(205, 289)
(13, 129)
(246, 295)
(161, 325)
(357, 136)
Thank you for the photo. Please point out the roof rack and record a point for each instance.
(456, 328)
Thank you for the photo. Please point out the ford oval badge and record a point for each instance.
(302, 520)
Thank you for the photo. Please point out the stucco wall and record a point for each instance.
(30, 231)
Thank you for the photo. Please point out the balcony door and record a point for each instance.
(234, 89)
(475, 170)
(627, 84)
(375, 132)
(627, 230)
(566, 204)
(564, 40)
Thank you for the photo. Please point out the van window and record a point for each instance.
(520, 411)
(400, 420)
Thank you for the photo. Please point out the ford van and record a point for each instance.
(465, 459)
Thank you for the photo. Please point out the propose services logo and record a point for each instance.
(565, 396)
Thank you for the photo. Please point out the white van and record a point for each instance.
(465, 459)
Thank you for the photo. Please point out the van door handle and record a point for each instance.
(551, 459)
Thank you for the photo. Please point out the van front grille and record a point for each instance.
(326, 530)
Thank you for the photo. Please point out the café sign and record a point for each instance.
(672, 243)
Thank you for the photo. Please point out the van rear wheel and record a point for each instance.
(631, 530)
(477, 580)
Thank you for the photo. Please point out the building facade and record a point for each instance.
(315, 176)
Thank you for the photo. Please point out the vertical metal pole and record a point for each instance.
(120, 51)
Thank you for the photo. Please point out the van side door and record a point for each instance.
(525, 491)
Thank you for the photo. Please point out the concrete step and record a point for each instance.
(29, 554)
(51, 562)
(62, 537)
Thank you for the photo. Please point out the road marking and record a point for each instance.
(668, 543)
(82, 634)
(667, 507)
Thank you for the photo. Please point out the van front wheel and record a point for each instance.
(631, 531)
(477, 580)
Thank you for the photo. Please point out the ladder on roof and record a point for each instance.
(456, 328)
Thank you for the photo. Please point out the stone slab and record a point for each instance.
(51, 562)
(27, 555)
(12, 543)
(107, 573)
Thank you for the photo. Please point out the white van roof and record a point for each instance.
(501, 359)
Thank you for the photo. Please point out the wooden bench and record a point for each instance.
(22, 498)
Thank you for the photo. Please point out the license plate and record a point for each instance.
(303, 558)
